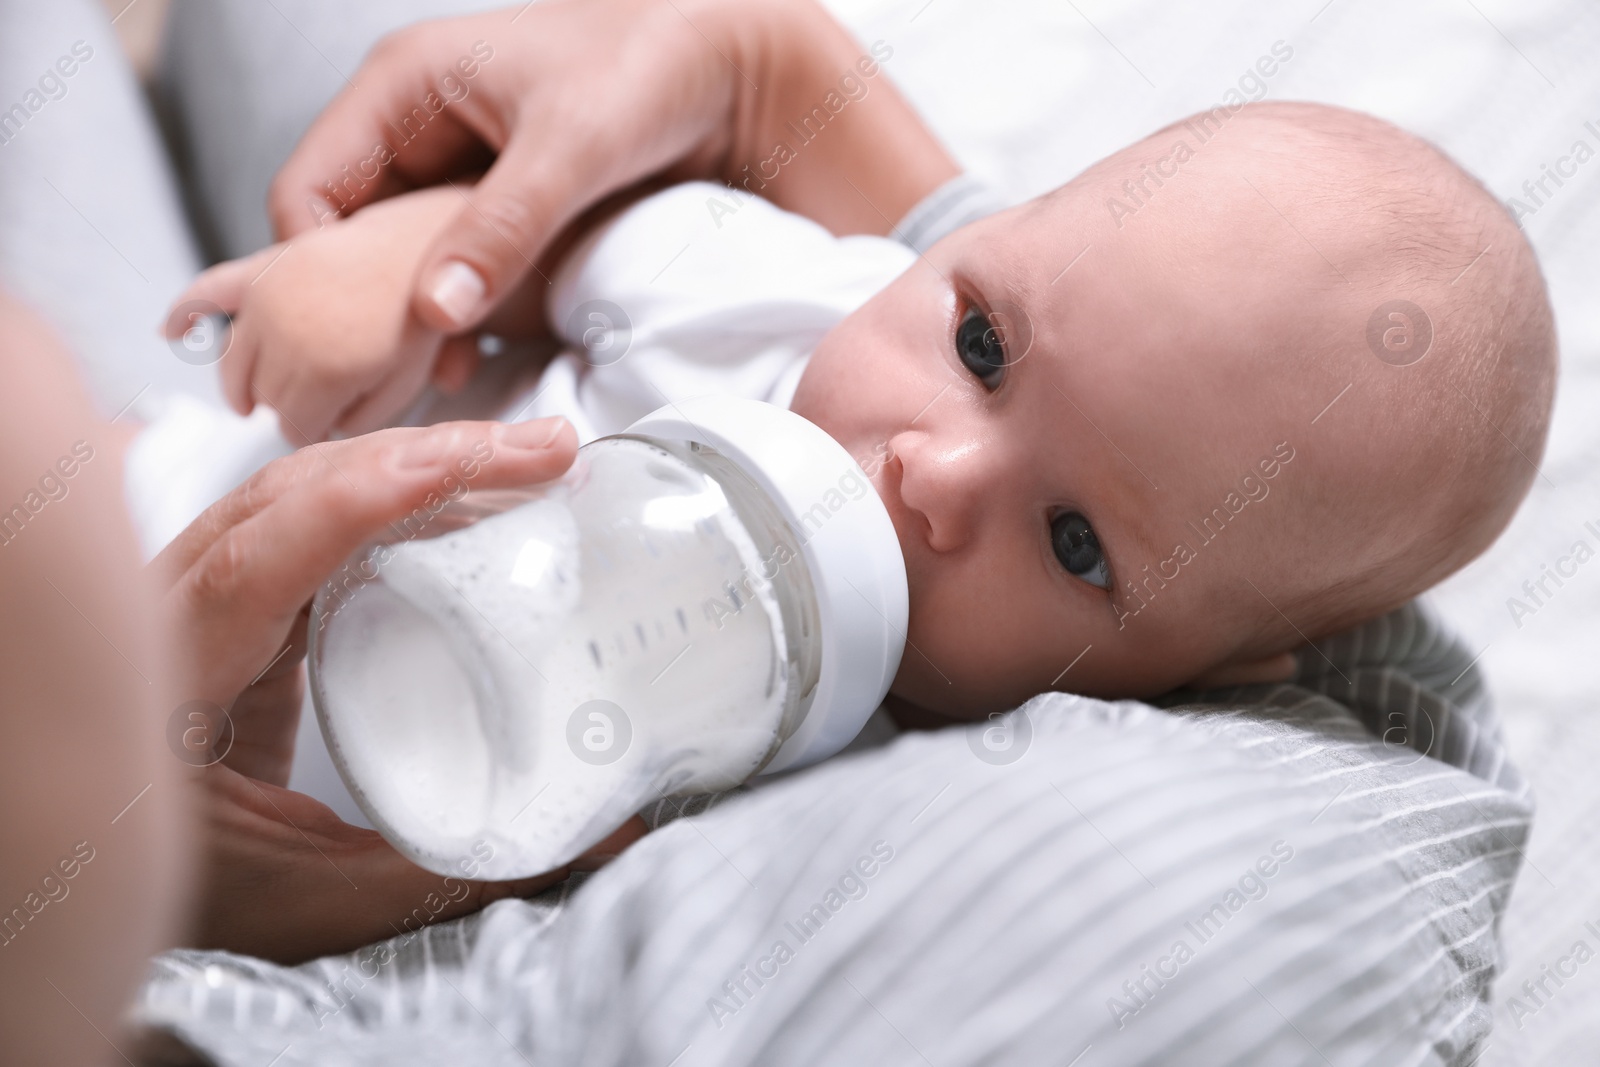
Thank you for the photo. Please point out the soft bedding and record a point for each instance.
(1254, 877)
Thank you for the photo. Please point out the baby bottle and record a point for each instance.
(716, 592)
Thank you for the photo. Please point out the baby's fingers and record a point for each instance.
(307, 401)
(389, 399)
(238, 367)
(222, 290)
(223, 285)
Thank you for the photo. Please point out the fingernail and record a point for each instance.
(531, 435)
(457, 289)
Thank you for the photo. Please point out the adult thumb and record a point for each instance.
(497, 236)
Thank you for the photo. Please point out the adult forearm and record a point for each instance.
(817, 126)
(93, 811)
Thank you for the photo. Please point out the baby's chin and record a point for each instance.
(953, 695)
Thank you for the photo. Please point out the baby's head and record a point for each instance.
(1255, 379)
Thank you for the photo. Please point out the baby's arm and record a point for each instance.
(321, 325)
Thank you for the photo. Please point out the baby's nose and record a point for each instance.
(945, 482)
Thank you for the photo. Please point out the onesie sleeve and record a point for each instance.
(960, 200)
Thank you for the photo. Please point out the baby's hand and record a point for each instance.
(322, 330)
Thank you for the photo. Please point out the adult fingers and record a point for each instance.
(496, 237)
(404, 882)
(486, 893)
(286, 879)
(266, 716)
(299, 198)
(458, 360)
(242, 572)
(341, 494)
(327, 174)
(265, 487)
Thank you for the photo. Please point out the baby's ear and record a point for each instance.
(1261, 671)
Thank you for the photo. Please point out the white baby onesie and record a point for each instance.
(697, 290)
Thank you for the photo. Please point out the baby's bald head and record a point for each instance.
(1431, 306)
(1258, 377)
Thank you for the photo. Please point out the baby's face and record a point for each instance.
(1084, 494)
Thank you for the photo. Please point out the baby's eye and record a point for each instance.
(981, 348)
(1078, 549)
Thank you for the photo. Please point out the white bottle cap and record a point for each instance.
(847, 540)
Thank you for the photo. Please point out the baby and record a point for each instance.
(1260, 377)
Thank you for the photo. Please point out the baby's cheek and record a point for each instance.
(960, 658)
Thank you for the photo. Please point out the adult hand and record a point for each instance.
(573, 102)
(282, 876)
